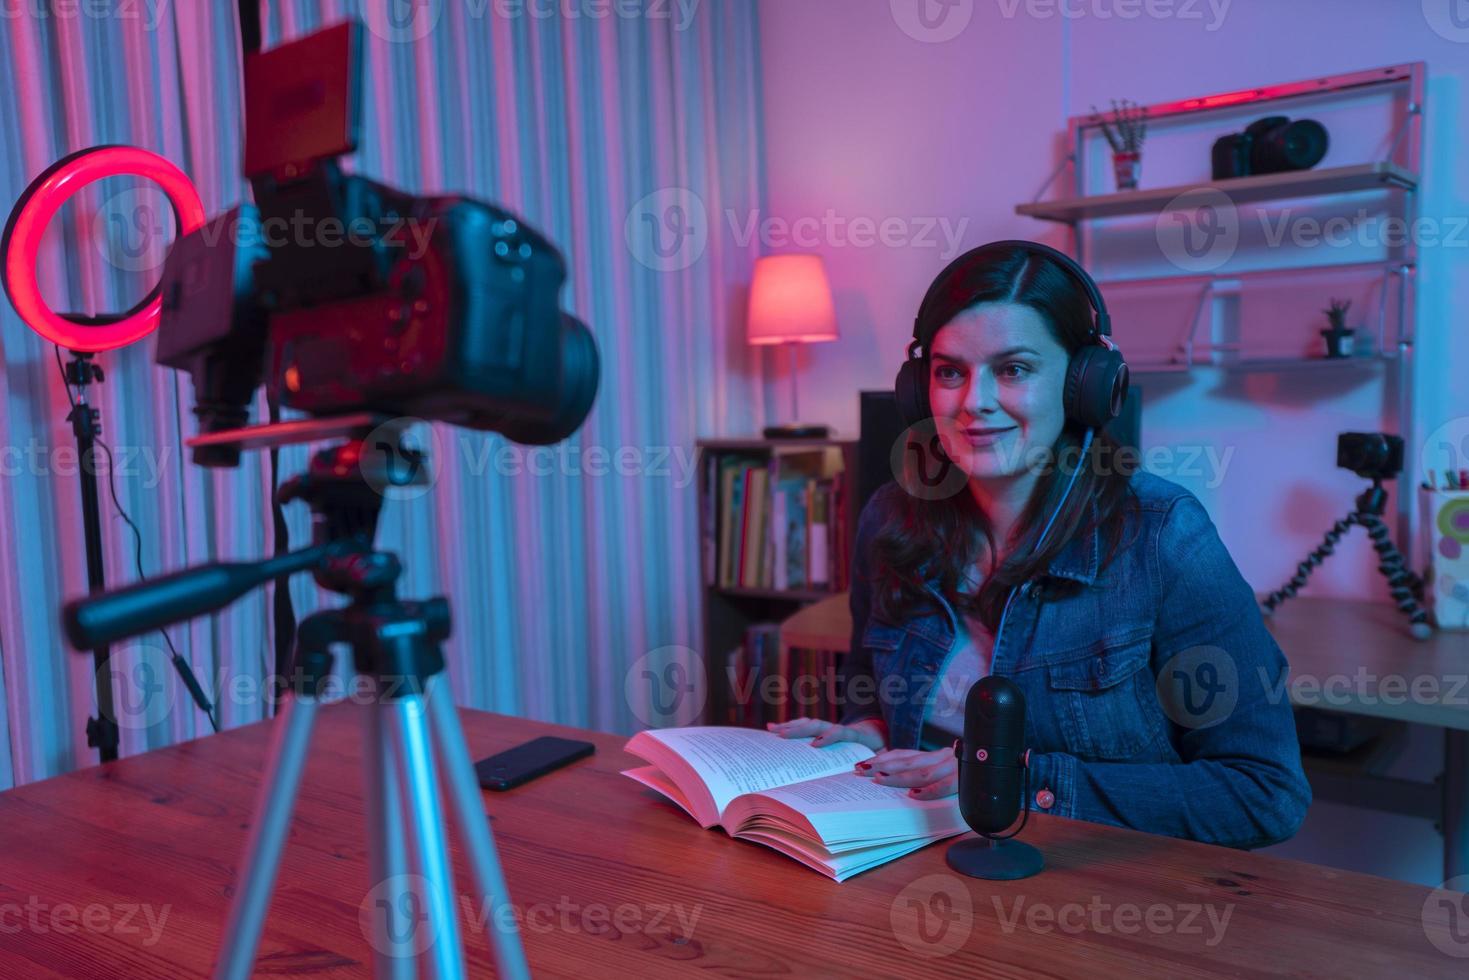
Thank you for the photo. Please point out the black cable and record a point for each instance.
(186, 674)
(282, 609)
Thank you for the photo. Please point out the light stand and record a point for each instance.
(81, 371)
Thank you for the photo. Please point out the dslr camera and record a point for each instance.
(343, 295)
(1271, 145)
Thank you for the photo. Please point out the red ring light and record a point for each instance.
(39, 204)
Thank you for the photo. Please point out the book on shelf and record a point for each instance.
(764, 683)
(775, 522)
(801, 801)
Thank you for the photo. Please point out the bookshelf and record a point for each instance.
(744, 597)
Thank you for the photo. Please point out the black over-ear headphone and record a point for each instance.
(1096, 377)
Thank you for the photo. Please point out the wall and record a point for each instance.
(871, 114)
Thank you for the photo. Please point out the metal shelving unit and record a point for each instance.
(1398, 171)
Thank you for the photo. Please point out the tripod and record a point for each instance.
(1406, 587)
(395, 649)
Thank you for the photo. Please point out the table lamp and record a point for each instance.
(790, 303)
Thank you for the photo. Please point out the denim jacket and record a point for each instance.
(1154, 693)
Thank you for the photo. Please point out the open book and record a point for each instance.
(803, 801)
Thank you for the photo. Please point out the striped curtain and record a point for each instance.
(621, 137)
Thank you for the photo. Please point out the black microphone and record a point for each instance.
(992, 784)
(991, 754)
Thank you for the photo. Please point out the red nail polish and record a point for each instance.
(864, 765)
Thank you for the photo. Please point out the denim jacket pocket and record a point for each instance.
(1107, 701)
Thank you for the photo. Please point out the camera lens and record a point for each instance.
(1298, 145)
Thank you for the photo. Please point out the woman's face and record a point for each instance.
(996, 376)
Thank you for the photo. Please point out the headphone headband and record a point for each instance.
(1101, 324)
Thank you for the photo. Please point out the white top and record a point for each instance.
(968, 661)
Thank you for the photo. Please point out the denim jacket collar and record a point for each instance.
(1081, 558)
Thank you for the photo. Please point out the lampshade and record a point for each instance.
(790, 301)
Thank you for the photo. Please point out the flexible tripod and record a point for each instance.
(1406, 587)
(395, 649)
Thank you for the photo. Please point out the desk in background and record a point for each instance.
(586, 848)
(1352, 657)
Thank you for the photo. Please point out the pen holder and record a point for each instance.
(1446, 528)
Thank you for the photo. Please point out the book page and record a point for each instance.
(845, 808)
(733, 761)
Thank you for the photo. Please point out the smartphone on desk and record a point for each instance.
(511, 768)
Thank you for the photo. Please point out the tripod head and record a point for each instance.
(341, 486)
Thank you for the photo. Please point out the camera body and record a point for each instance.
(1370, 455)
(342, 294)
(1271, 145)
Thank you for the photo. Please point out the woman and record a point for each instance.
(1153, 690)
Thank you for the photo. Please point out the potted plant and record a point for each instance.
(1125, 133)
(1340, 341)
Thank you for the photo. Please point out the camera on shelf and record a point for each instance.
(1271, 145)
(1370, 455)
(345, 295)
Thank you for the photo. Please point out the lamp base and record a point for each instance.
(994, 860)
(797, 430)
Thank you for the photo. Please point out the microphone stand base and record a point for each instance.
(995, 860)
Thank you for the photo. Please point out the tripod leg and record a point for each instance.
(1305, 568)
(474, 830)
(256, 876)
(386, 855)
(421, 796)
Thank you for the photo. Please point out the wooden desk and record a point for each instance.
(586, 847)
(1352, 657)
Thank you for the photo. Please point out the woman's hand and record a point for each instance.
(930, 775)
(871, 732)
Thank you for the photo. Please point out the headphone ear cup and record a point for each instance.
(911, 391)
(1096, 385)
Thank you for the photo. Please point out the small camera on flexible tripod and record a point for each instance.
(1375, 456)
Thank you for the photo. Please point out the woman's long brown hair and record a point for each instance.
(943, 538)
